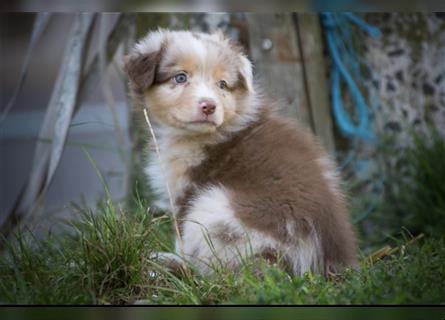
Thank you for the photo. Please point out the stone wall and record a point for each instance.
(405, 87)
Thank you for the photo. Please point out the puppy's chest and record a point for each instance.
(174, 171)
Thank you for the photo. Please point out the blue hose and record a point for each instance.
(346, 67)
(331, 22)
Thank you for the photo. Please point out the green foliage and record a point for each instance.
(103, 260)
(423, 194)
(414, 197)
(417, 198)
(410, 276)
(107, 260)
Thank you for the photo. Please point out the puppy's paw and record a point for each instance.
(171, 261)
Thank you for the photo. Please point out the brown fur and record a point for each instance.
(268, 167)
(271, 172)
(141, 69)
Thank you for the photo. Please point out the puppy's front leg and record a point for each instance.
(171, 261)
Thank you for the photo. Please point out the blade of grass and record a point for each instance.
(170, 198)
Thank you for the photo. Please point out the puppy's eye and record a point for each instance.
(181, 77)
(222, 84)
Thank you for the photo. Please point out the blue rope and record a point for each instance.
(346, 68)
(339, 41)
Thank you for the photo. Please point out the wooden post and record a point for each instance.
(277, 62)
(317, 90)
(287, 52)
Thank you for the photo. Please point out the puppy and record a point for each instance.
(244, 182)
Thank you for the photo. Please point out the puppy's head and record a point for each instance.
(196, 82)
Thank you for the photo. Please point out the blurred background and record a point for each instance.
(369, 85)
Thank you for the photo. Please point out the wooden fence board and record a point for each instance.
(287, 51)
(276, 57)
(317, 90)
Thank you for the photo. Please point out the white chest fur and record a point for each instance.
(176, 157)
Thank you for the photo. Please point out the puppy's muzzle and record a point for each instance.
(207, 106)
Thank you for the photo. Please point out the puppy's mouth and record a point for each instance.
(202, 122)
(210, 122)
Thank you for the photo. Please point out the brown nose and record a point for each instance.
(207, 106)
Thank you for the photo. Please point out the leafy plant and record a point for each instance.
(421, 197)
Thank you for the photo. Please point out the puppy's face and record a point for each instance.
(191, 81)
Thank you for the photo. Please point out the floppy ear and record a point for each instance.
(246, 73)
(141, 68)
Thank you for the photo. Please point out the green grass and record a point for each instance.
(105, 257)
(413, 196)
(425, 179)
(106, 260)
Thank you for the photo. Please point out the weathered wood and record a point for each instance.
(311, 44)
(287, 51)
(274, 50)
(55, 126)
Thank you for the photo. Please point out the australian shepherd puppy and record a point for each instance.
(243, 181)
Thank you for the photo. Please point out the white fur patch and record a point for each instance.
(177, 158)
(246, 71)
(305, 254)
(210, 210)
(151, 43)
(330, 173)
(210, 213)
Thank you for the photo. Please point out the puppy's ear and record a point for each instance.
(141, 68)
(246, 73)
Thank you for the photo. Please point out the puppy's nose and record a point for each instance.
(207, 106)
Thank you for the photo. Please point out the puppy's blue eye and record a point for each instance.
(181, 78)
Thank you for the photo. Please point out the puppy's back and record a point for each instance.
(282, 184)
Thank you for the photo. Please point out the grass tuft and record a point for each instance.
(422, 199)
(106, 260)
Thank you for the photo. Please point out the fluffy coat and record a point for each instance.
(244, 181)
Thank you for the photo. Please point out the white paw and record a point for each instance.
(170, 260)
